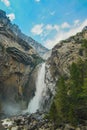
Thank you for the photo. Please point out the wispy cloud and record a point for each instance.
(37, 0)
(37, 29)
(56, 32)
(52, 12)
(50, 27)
(11, 16)
(62, 34)
(65, 25)
(6, 2)
(76, 22)
(44, 30)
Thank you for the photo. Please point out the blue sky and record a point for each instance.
(47, 21)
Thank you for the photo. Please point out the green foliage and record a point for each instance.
(53, 110)
(70, 102)
(58, 111)
(61, 97)
(84, 45)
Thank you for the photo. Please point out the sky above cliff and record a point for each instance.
(47, 21)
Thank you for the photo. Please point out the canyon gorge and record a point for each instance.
(29, 72)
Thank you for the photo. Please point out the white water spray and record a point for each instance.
(34, 104)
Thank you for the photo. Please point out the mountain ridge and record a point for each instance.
(4, 20)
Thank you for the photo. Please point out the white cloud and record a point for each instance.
(48, 30)
(76, 22)
(37, 29)
(37, 0)
(56, 27)
(65, 25)
(59, 33)
(62, 35)
(40, 29)
(50, 27)
(11, 16)
(6, 2)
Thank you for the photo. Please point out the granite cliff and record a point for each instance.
(41, 50)
(63, 55)
(17, 62)
(66, 52)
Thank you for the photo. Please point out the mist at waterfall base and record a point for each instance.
(10, 108)
(36, 101)
(34, 104)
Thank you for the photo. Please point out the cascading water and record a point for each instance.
(34, 104)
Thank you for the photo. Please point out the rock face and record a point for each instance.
(41, 50)
(66, 52)
(28, 122)
(17, 61)
(15, 29)
(47, 55)
(63, 54)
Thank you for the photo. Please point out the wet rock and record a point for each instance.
(14, 128)
(78, 128)
(69, 127)
(1, 127)
(30, 122)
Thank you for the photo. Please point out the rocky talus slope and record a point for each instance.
(36, 121)
(17, 62)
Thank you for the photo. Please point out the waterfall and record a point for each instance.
(34, 104)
